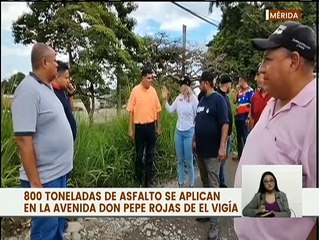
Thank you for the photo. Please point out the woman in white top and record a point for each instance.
(185, 106)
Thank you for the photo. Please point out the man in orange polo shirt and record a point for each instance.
(144, 114)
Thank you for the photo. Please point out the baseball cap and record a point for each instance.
(207, 76)
(185, 80)
(293, 36)
(225, 79)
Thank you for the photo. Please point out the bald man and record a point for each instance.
(43, 135)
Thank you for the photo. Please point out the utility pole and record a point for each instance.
(184, 50)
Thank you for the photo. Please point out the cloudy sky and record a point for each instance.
(151, 17)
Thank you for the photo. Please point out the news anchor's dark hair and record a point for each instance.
(262, 188)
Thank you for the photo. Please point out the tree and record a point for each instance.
(91, 33)
(9, 86)
(165, 56)
(231, 50)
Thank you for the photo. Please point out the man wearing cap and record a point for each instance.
(286, 130)
(211, 129)
(225, 82)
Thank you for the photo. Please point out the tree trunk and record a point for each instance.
(87, 103)
(91, 113)
(118, 91)
(119, 98)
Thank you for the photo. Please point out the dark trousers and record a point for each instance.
(242, 133)
(145, 138)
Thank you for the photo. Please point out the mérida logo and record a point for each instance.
(283, 14)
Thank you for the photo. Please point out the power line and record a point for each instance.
(257, 23)
(195, 14)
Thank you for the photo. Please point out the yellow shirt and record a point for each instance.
(144, 104)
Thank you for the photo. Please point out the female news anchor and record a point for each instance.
(269, 201)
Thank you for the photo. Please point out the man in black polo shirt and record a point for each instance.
(225, 83)
(211, 129)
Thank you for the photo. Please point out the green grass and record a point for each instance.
(9, 154)
(104, 155)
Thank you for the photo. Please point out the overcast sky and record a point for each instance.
(151, 17)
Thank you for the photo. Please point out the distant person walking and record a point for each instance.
(43, 136)
(144, 122)
(185, 105)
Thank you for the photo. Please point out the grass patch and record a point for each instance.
(104, 155)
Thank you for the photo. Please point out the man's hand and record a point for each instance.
(71, 89)
(247, 122)
(222, 153)
(194, 146)
(158, 130)
(36, 185)
(131, 134)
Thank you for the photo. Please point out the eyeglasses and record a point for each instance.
(269, 181)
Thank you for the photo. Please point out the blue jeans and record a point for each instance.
(221, 170)
(184, 152)
(48, 228)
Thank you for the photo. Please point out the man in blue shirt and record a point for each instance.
(225, 83)
(210, 139)
(64, 90)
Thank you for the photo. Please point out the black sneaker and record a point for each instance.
(223, 185)
(202, 219)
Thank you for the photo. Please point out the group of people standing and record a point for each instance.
(204, 125)
(282, 130)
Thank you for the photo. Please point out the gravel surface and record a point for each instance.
(129, 228)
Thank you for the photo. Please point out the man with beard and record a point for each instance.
(286, 130)
(225, 82)
(211, 128)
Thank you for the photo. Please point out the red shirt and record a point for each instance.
(258, 103)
